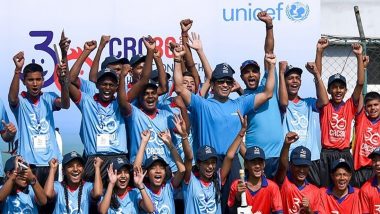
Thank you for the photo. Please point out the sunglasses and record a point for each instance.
(222, 81)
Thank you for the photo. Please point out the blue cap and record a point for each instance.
(206, 152)
(300, 156)
(137, 59)
(339, 163)
(119, 163)
(290, 69)
(113, 60)
(71, 156)
(152, 159)
(222, 70)
(254, 152)
(10, 164)
(374, 152)
(107, 72)
(255, 65)
(336, 77)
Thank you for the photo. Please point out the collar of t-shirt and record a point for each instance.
(340, 200)
(205, 183)
(157, 192)
(336, 108)
(34, 100)
(291, 179)
(264, 183)
(375, 183)
(104, 104)
(122, 195)
(151, 116)
(71, 189)
(296, 100)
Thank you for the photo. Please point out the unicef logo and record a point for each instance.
(297, 11)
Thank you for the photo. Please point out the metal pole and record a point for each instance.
(363, 40)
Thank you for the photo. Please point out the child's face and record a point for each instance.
(73, 171)
(255, 167)
(156, 174)
(293, 83)
(372, 108)
(33, 82)
(337, 90)
(376, 165)
(107, 87)
(299, 173)
(341, 178)
(123, 178)
(21, 180)
(207, 168)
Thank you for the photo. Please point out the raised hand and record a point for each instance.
(53, 163)
(104, 40)
(270, 58)
(365, 61)
(311, 67)
(145, 135)
(112, 174)
(149, 43)
(19, 60)
(243, 121)
(357, 49)
(264, 17)
(61, 71)
(178, 51)
(157, 54)
(64, 44)
(195, 41)
(180, 125)
(90, 45)
(291, 137)
(241, 187)
(186, 25)
(282, 66)
(98, 162)
(138, 176)
(166, 137)
(322, 43)
(10, 128)
(305, 202)
(236, 87)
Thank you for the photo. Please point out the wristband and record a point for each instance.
(178, 60)
(317, 80)
(33, 181)
(184, 34)
(184, 138)
(141, 188)
(269, 27)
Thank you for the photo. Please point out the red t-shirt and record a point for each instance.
(265, 200)
(347, 204)
(292, 196)
(336, 125)
(367, 139)
(370, 197)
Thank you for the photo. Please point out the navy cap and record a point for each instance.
(374, 152)
(152, 159)
(113, 60)
(300, 156)
(119, 163)
(206, 152)
(71, 156)
(10, 164)
(222, 70)
(137, 59)
(107, 72)
(341, 162)
(336, 77)
(290, 69)
(254, 152)
(154, 75)
(255, 65)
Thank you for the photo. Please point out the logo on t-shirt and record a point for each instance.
(371, 142)
(300, 122)
(338, 126)
(296, 208)
(377, 208)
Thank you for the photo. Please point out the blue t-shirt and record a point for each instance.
(200, 199)
(87, 87)
(138, 121)
(302, 118)
(164, 201)
(103, 128)
(35, 121)
(264, 125)
(3, 116)
(60, 204)
(128, 203)
(216, 124)
(20, 203)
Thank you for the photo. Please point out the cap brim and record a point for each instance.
(341, 165)
(142, 59)
(255, 66)
(206, 157)
(293, 70)
(76, 158)
(337, 80)
(253, 157)
(158, 160)
(109, 74)
(301, 162)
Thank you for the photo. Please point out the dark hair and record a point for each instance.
(215, 181)
(32, 67)
(188, 74)
(115, 204)
(371, 96)
(67, 197)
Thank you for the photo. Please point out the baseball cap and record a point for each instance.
(206, 152)
(152, 159)
(255, 65)
(290, 69)
(107, 72)
(374, 152)
(10, 164)
(254, 152)
(71, 156)
(113, 60)
(300, 156)
(341, 162)
(154, 74)
(119, 163)
(222, 70)
(136, 59)
(336, 77)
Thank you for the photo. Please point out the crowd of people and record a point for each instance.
(156, 146)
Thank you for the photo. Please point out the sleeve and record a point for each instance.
(248, 102)
(364, 199)
(32, 195)
(313, 103)
(3, 115)
(351, 105)
(81, 104)
(51, 98)
(87, 86)
(232, 195)
(57, 188)
(276, 199)
(137, 198)
(195, 102)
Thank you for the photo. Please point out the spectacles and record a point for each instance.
(222, 81)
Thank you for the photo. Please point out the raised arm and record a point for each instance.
(269, 39)
(179, 123)
(97, 191)
(162, 80)
(95, 63)
(104, 204)
(167, 139)
(145, 136)
(264, 96)
(125, 106)
(290, 138)
(40, 196)
(74, 71)
(358, 50)
(145, 203)
(137, 88)
(9, 131)
(49, 184)
(227, 162)
(322, 97)
(19, 60)
(7, 188)
(322, 44)
(283, 92)
(361, 99)
(182, 91)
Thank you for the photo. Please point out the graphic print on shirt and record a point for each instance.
(18, 208)
(371, 142)
(161, 208)
(300, 122)
(40, 128)
(207, 205)
(296, 208)
(155, 140)
(377, 208)
(108, 131)
(338, 126)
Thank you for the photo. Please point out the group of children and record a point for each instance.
(149, 151)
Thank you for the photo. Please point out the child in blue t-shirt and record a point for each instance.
(120, 196)
(73, 194)
(160, 191)
(21, 192)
